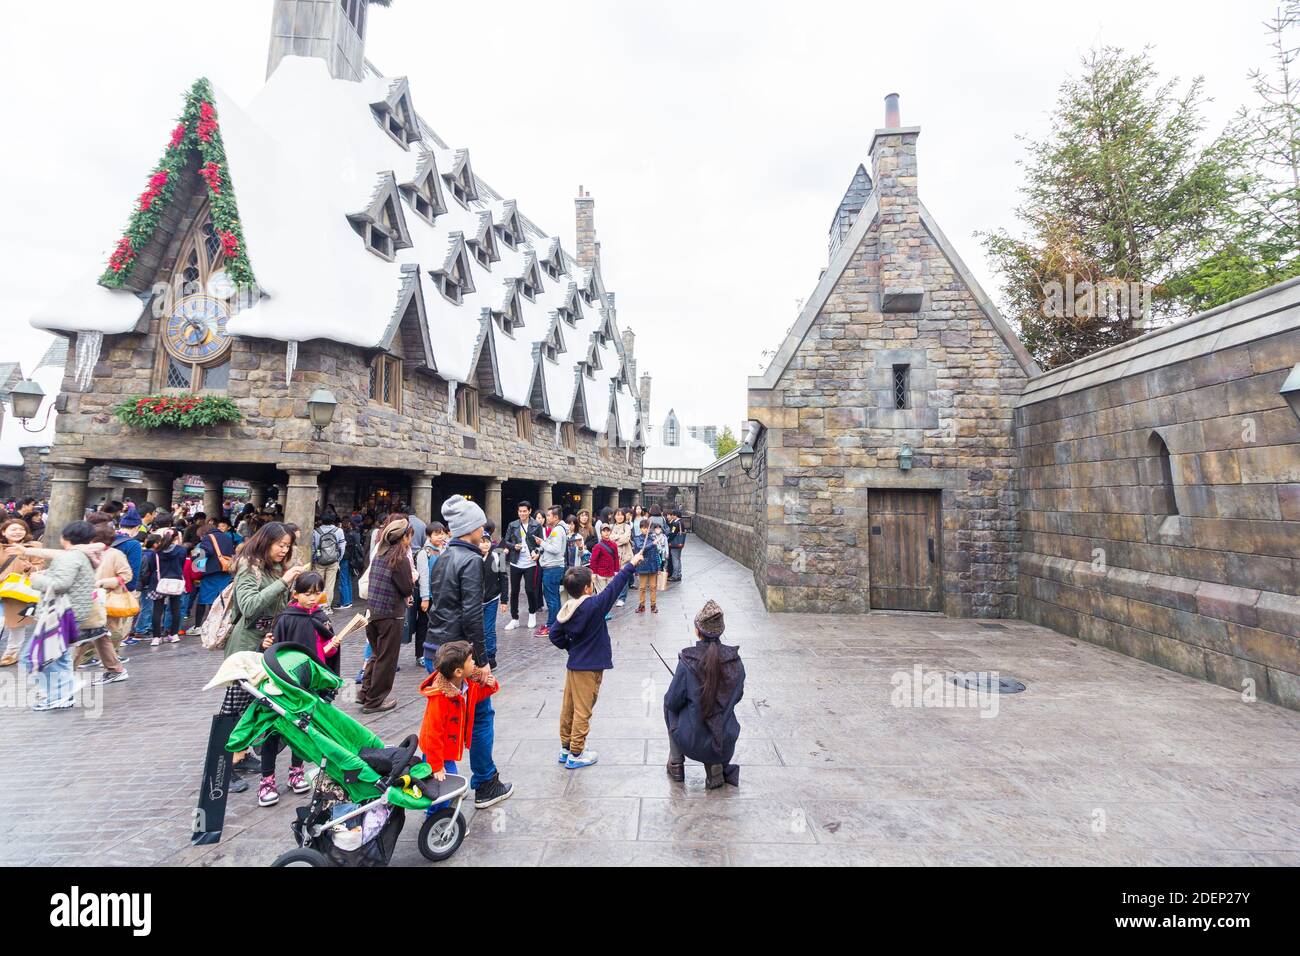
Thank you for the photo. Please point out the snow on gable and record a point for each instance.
(424, 189)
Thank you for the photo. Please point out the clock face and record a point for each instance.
(196, 329)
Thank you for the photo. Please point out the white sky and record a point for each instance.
(717, 138)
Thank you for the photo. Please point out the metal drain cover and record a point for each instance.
(986, 684)
(993, 627)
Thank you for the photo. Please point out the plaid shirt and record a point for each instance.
(389, 588)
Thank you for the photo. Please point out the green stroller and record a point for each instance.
(360, 796)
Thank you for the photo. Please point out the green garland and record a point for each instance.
(198, 128)
(177, 411)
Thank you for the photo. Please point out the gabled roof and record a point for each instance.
(410, 308)
(385, 200)
(840, 261)
(397, 100)
(425, 179)
(285, 152)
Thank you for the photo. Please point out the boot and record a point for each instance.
(731, 774)
(677, 771)
(713, 778)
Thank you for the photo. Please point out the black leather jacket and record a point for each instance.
(456, 599)
(511, 539)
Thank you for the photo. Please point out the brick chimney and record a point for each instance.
(588, 247)
(893, 173)
(328, 29)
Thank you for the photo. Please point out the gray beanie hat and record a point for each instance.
(462, 516)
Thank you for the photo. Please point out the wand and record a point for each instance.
(661, 660)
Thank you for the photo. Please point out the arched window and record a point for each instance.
(1164, 501)
(196, 344)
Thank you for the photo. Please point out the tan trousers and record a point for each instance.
(330, 572)
(580, 691)
(599, 582)
(650, 581)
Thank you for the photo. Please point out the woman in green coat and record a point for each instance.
(262, 584)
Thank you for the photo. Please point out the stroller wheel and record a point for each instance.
(301, 857)
(442, 834)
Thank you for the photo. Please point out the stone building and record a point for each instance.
(672, 465)
(25, 446)
(885, 456)
(325, 237)
(1146, 498)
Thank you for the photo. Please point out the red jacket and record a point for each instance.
(448, 725)
(604, 559)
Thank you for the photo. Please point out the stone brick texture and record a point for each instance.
(729, 507)
(832, 431)
(1211, 591)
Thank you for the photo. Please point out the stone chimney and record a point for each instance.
(629, 343)
(893, 174)
(332, 30)
(588, 247)
(644, 401)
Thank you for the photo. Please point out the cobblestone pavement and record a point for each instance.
(1102, 760)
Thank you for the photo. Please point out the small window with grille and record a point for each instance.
(386, 381)
(901, 388)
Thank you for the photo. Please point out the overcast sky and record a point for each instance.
(716, 137)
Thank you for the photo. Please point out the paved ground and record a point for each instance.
(1102, 760)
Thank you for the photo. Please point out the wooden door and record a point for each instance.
(905, 550)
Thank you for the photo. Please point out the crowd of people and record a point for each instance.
(135, 573)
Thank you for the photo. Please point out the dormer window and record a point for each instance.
(460, 180)
(482, 255)
(554, 343)
(422, 192)
(508, 235)
(396, 116)
(553, 265)
(382, 225)
(454, 280)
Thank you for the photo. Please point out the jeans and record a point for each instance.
(675, 562)
(551, 578)
(480, 749)
(144, 620)
(56, 680)
(345, 583)
(490, 627)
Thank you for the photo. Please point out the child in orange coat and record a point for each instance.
(452, 692)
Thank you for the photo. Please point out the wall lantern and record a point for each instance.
(1290, 389)
(25, 398)
(905, 457)
(746, 455)
(320, 409)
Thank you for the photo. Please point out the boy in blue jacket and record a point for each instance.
(581, 630)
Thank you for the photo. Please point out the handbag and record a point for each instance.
(363, 585)
(122, 602)
(16, 587)
(167, 587)
(56, 629)
(221, 619)
(227, 561)
(662, 583)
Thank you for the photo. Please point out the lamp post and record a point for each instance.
(746, 455)
(25, 399)
(320, 409)
(905, 457)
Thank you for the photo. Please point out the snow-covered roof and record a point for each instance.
(304, 156)
(688, 453)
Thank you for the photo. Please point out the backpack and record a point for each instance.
(221, 619)
(327, 551)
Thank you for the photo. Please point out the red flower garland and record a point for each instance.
(211, 174)
(156, 183)
(122, 255)
(178, 134)
(229, 242)
(207, 121)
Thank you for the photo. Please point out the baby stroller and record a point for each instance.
(360, 796)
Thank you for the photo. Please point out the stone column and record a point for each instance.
(636, 497)
(422, 495)
(492, 503)
(545, 496)
(300, 508)
(257, 493)
(67, 500)
(588, 499)
(158, 491)
(212, 501)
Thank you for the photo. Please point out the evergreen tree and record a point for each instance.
(727, 442)
(1120, 196)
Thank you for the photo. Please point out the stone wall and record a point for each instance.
(728, 506)
(833, 431)
(364, 434)
(1210, 591)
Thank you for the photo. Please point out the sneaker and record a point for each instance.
(654, 608)
(173, 638)
(620, 603)
(578, 761)
(564, 755)
(532, 620)
(156, 642)
(267, 793)
(298, 780)
(640, 608)
(122, 660)
(544, 631)
(132, 641)
(90, 664)
(343, 607)
(110, 677)
(492, 793)
(512, 625)
(54, 705)
(609, 617)
(361, 675)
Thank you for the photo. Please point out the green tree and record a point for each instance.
(1119, 195)
(1262, 244)
(727, 442)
